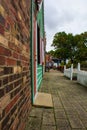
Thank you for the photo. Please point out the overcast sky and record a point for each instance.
(64, 15)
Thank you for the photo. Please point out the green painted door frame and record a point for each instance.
(31, 55)
(39, 68)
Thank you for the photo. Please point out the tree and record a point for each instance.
(64, 45)
(81, 54)
(71, 47)
(51, 53)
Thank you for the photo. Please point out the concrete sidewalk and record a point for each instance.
(70, 105)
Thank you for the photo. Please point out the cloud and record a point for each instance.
(50, 17)
(64, 15)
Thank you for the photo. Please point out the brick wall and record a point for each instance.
(15, 89)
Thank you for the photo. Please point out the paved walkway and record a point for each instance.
(70, 105)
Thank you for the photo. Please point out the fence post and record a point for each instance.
(71, 72)
(64, 69)
(78, 66)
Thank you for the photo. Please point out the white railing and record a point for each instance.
(67, 72)
(82, 77)
(70, 72)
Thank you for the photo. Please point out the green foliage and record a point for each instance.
(68, 65)
(51, 52)
(62, 63)
(84, 64)
(71, 47)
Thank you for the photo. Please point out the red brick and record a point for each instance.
(7, 25)
(18, 49)
(2, 60)
(2, 20)
(10, 105)
(14, 51)
(9, 88)
(15, 55)
(10, 21)
(5, 80)
(2, 30)
(0, 82)
(4, 51)
(23, 58)
(1, 93)
(10, 61)
(12, 46)
(22, 126)
(16, 121)
(1, 71)
(8, 70)
(4, 123)
(5, 100)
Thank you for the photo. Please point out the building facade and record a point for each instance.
(38, 45)
(15, 80)
(21, 59)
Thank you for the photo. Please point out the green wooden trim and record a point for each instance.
(31, 56)
(39, 76)
(40, 20)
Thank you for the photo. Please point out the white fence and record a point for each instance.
(82, 78)
(70, 72)
(76, 73)
(67, 72)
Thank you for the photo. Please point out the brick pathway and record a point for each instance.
(70, 105)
